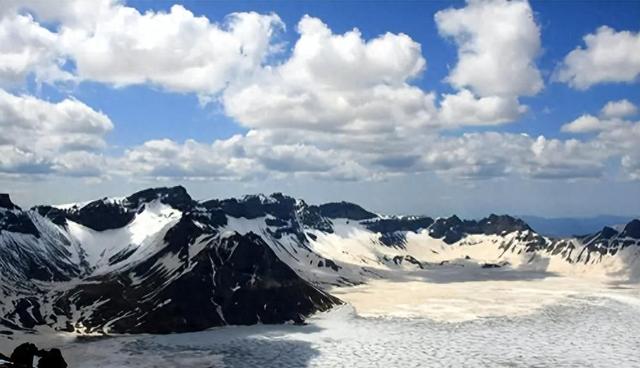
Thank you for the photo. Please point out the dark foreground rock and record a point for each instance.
(23, 357)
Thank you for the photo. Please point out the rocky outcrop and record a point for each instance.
(5, 202)
(346, 210)
(23, 357)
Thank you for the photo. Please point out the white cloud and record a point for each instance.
(583, 124)
(237, 158)
(25, 48)
(619, 109)
(616, 137)
(112, 43)
(610, 118)
(175, 50)
(498, 42)
(74, 13)
(81, 164)
(622, 141)
(557, 159)
(496, 61)
(492, 154)
(166, 158)
(464, 108)
(609, 56)
(631, 164)
(37, 133)
(337, 83)
(470, 156)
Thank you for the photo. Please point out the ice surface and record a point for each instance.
(509, 321)
(455, 293)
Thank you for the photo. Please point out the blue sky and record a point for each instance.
(148, 113)
(452, 163)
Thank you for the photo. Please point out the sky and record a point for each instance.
(406, 107)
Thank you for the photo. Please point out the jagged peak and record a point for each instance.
(454, 219)
(508, 221)
(347, 210)
(176, 196)
(5, 202)
(632, 229)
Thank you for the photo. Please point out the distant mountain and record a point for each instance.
(572, 226)
(158, 261)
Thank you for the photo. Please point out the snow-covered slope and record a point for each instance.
(345, 251)
(158, 261)
(155, 261)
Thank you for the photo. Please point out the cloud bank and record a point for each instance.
(338, 106)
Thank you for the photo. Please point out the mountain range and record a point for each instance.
(158, 261)
(573, 226)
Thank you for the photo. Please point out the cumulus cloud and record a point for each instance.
(610, 118)
(583, 124)
(337, 82)
(615, 137)
(237, 158)
(25, 48)
(464, 108)
(608, 56)
(631, 164)
(619, 109)
(496, 61)
(496, 57)
(74, 13)
(112, 43)
(493, 155)
(622, 141)
(553, 159)
(36, 134)
(470, 156)
(174, 50)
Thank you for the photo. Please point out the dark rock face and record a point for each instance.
(409, 259)
(632, 230)
(392, 230)
(254, 206)
(449, 229)
(17, 222)
(453, 229)
(103, 215)
(56, 215)
(176, 197)
(12, 219)
(346, 210)
(499, 224)
(607, 242)
(391, 225)
(311, 217)
(5, 202)
(234, 280)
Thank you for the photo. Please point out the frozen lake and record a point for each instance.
(533, 324)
